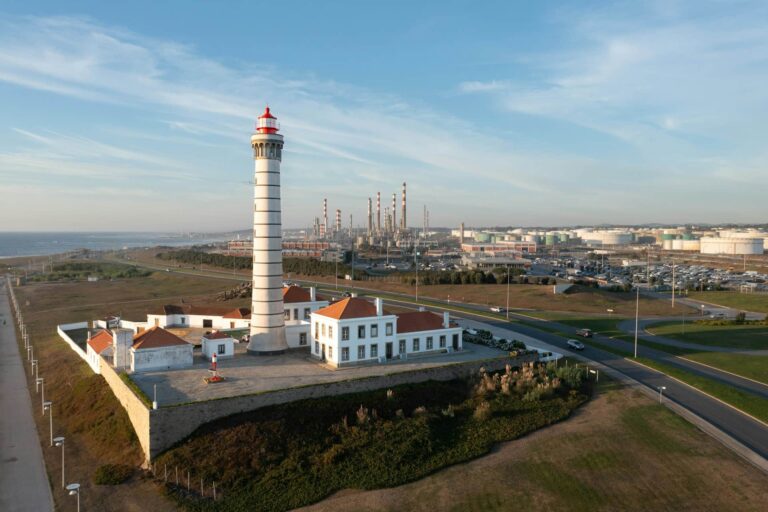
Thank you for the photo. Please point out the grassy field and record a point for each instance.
(526, 297)
(294, 454)
(751, 337)
(620, 451)
(745, 301)
(96, 427)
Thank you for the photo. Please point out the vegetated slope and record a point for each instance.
(286, 456)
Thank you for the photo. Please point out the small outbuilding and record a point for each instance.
(219, 343)
(158, 349)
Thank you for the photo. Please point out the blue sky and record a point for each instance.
(137, 115)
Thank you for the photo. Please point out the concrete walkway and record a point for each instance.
(24, 484)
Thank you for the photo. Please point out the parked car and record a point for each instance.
(498, 309)
(575, 345)
(585, 333)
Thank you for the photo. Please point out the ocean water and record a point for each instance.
(40, 244)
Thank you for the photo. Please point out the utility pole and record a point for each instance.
(507, 310)
(673, 283)
(637, 317)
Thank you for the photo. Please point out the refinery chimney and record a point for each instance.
(370, 217)
(403, 218)
(394, 213)
(378, 212)
(325, 219)
(338, 222)
(267, 309)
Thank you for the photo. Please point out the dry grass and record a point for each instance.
(86, 412)
(619, 452)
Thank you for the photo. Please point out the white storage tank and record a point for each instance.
(732, 246)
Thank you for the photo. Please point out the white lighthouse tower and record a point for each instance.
(267, 310)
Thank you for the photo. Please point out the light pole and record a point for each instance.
(416, 259)
(507, 310)
(59, 441)
(702, 310)
(637, 317)
(661, 392)
(596, 373)
(41, 381)
(673, 283)
(74, 490)
(33, 367)
(48, 406)
(336, 274)
(610, 312)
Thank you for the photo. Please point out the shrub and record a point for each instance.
(482, 411)
(112, 474)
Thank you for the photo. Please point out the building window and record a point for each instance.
(307, 312)
(389, 329)
(296, 313)
(287, 314)
(361, 332)
(442, 341)
(402, 346)
(345, 334)
(456, 342)
(345, 354)
(374, 350)
(317, 347)
(429, 343)
(221, 349)
(374, 330)
(323, 328)
(317, 330)
(330, 331)
(416, 344)
(330, 351)
(361, 352)
(182, 320)
(302, 338)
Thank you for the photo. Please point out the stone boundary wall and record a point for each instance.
(170, 425)
(61, 329)
(138, 413)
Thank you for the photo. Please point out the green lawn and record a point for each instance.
(746, 301)
(750, 337)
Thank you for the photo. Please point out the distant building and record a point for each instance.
(219, 343)
(479, 261)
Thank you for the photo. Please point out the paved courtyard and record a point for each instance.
(246, 374)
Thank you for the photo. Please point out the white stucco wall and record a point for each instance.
(177, 356)
(209, 347)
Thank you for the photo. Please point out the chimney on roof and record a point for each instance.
(312, 293)
(379, 306)
(446, 319)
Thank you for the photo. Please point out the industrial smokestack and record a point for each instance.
(338, 220)
(403, 219)
(370, 217)
(461, 234)
(325, 218)
(378, 212)
(394, 212)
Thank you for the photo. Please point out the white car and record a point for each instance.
(575, 345)
(498, 309)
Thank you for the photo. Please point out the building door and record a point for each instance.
(323, 354)
(389, 350)
(231, 325)
(455, 342)
(402, 347)
(157, 322)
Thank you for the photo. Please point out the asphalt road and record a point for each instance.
(23, 481)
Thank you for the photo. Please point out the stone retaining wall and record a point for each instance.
(170, 425)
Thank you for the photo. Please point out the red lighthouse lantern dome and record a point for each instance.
(267, 123)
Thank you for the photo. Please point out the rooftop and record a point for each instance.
(351, 307)
(156, 337)
(100, 341)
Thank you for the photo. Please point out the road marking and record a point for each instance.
(724, 371)
(699, 390)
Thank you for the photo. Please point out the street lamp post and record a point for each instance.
(48, 406)
(59, 441)
(74, 490)
(637, 317)
(507, 310)
(596, 373)
(416, 259)
(661, 392)
(41, 381)
(702, 310)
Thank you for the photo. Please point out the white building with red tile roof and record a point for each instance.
(299, 305)
(219, 343)
(356, 331)
(98, 345)
(158, 349)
